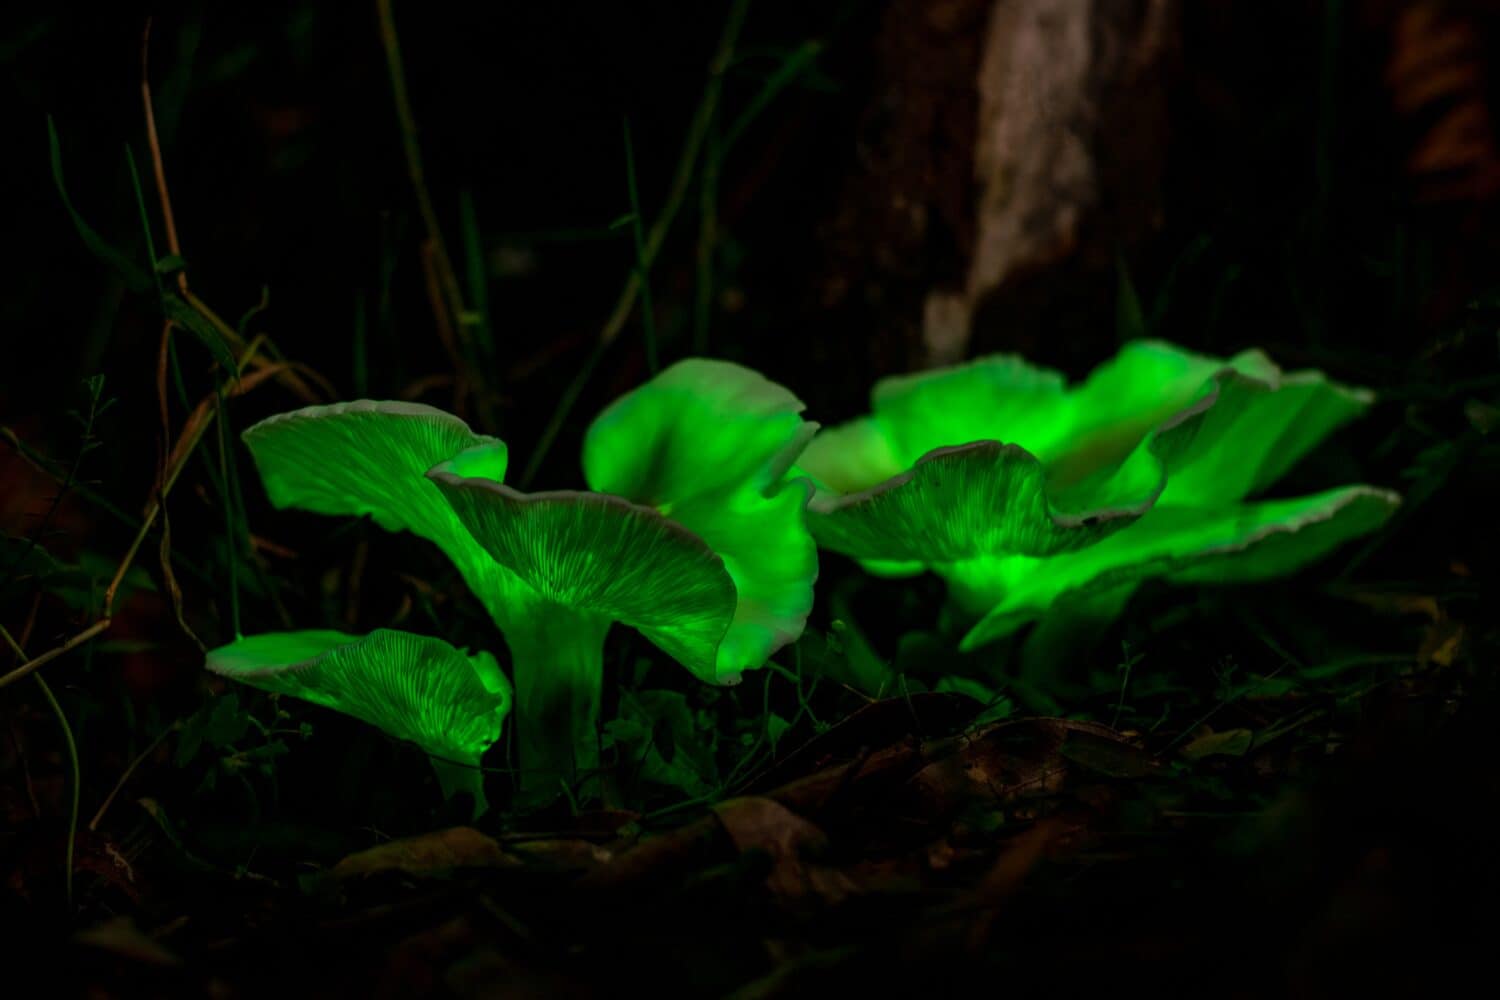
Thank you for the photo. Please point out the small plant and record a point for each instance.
(1141, 471)
(689, 534)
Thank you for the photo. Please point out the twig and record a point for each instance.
(192, 434)
(41, 463)
(292, 369)
(173, 246)
(76, 772)
(139, 758)
(33, 664)
(682, 179)
(458, 317)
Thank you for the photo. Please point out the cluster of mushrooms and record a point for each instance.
(709, 497)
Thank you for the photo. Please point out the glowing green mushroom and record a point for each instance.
(1026, 493)
(413, 687)
(693, 537)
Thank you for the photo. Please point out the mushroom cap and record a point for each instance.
(1235, 543)
(370, 457)
(1156, 424)
(693, 537)
(691, 532)
(1140, 470)
(413, 687)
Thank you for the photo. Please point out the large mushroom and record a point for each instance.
(1028, 495)
(690, 532)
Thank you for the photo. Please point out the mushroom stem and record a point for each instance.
(557, 657)
(456, 776)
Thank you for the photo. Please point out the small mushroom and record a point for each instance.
(413, 687)
(1027, 494)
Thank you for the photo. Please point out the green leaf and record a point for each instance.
(227, 723)
(185, 317)
(658, 733)
(1130, 318)
(1229, 743)
(776, 728)
(997, 705)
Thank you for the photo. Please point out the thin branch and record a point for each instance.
(192, 434)
(139, 759)
(32, 665)
(682, 180)
(173, 246)
(458, 317)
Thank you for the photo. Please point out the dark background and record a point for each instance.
(1284, 174)
(1315, 178)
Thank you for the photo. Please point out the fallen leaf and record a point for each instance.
(1441, 642)
(120, 936)
(1023, 758)
(434, 853)
(761, 824)
(1228, 743)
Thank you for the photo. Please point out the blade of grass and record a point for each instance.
(793, 66)
(708, 242)
(564, 406)
(228, 490)
(136, 279)
(477, 277)
(642, 263)
(75, 772)
(681, 181)
(682, 178)
(716, 147)
(450, 298)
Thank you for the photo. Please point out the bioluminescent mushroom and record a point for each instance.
(691, 534)
(448, 703)
(1027, 494)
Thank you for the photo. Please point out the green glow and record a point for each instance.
(557, 655)
(413, 687)
(604, 556)
(1234, 543)
(692, 536)
(708, 443)
(1138, 471)
(371, 458)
